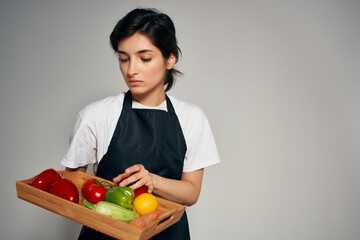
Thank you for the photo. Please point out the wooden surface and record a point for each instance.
(95, 220)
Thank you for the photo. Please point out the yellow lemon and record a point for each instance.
(145, 203)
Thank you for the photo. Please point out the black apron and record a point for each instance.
(154, 139)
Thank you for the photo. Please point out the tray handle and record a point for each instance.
(165, 219)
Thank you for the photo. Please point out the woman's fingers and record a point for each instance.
(128, 172)
(120, 177)
(136, 175)
(135, 168)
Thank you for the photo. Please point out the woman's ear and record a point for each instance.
(170, 62)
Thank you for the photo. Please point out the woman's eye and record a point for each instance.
(123, 60)
(146, 59)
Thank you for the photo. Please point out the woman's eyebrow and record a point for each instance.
(145, 50)
(141, 51)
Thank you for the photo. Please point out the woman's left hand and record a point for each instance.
(136, 176)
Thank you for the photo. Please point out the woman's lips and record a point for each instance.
(135, 83)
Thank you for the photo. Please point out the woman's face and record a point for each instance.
(143, 68)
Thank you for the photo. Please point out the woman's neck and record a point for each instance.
(150, 100)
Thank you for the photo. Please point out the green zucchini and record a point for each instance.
(112, 210)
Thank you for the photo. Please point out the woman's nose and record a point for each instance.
(132, 69)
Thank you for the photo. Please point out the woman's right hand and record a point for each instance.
(136, 176)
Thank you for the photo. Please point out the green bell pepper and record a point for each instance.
(123, 196)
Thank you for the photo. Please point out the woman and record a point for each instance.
(144, 137)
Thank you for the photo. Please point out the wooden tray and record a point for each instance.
(95, 220)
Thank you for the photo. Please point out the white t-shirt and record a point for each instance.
(96, 123)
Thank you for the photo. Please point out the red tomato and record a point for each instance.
(66, 189)
(96, 193)
(85, 187)
(45, 179)
(140, 191)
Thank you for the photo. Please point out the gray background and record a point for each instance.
(278, 80)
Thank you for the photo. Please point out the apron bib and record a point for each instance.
(154, 139)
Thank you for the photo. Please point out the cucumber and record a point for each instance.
(112, 210)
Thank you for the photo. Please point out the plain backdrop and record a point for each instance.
(278, 81)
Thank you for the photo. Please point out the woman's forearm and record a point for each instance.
(185, 191)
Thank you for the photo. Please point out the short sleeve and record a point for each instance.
(82, 148)
(201, 147)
